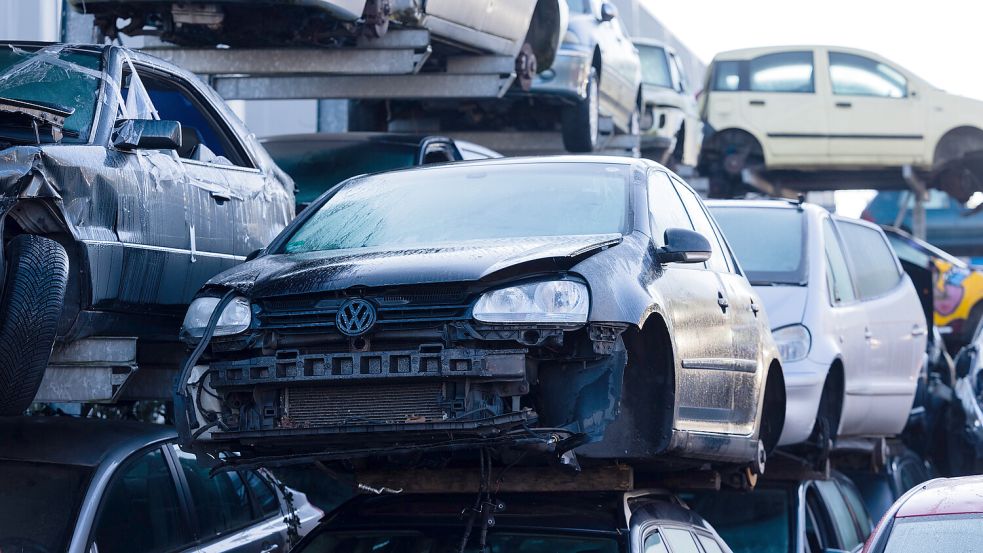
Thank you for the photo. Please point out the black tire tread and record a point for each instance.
(30, 306)
(574, 124)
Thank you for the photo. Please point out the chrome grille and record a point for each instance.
(354, 405)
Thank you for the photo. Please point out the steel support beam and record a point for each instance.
(920, 190)
(394, 87)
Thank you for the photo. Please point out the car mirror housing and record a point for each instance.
(608, 11)
(147, 134)
(964, 360)
(684, 246)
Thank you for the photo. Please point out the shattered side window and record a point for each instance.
(56, 77)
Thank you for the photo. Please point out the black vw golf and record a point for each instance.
(579, 305)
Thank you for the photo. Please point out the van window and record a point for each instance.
(874, 266)
(782, 72)
(769, 242)
(726, 76)
(859, 76)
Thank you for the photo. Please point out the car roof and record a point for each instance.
(75, 441)
(391, 138)
(748, 53)
(576, 511)
(539, 160)
(774, 204)
(944, 496)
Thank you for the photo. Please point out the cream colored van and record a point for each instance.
(826, 108)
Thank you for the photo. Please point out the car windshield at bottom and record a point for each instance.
(768, 242)
(949, 533)
(38, 504)
(455, 203)
(448, 540)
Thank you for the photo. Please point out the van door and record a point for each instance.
(874, 116)
(775, 97)
(896, 331)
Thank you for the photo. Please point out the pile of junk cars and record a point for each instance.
(517, 353)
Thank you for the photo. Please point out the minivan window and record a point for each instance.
(837, 271)
(782, 72)
(860, 76)
(768, 242)
(874, 266)
(457, 203)
(726, 76)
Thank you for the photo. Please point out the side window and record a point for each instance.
(837, 272)
(220, 501)
(726, 76)
(709, 544)
(203, 137)
(701, 221)
(265, 497)
(859, 76)
(876, 268)
(140, 510)
(819, 531)
(783, 72)
(654, 544)
(681, 72)
(856, 503)
(681, 541)
(666, 210)
(843, 521)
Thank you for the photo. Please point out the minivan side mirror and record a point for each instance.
(608, 11)
(684, 246)
(147, 134)
(964, 360)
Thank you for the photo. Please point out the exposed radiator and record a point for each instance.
(361, 404)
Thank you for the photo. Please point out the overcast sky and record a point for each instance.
(941, 41)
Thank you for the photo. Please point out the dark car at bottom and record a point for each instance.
(101, 486)
(596, 522)
(571, 304)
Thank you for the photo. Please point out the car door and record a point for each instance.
(223, 511)
(896, 329)
(778, 101)
(874, 117)
(612, 85)
(141, 509)
(846, 319)
(693, 293)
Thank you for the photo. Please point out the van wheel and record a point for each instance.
(30, 305)
(581, 122)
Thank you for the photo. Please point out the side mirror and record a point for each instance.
(608, 11)
(964, 360)
(147, 134)
(684, 246)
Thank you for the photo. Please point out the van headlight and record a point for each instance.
(793, 341)
(235, 317)
(555, 301)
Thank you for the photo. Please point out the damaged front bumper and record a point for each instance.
(545, 388)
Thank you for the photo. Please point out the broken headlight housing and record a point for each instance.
(793, 341)
(235, 317)
(553, 301)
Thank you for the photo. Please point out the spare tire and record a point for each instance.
(31, 303)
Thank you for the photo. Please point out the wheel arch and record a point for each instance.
(837, 375)
(772, 407)
(718, 135)
(955, 142)
(656, 336)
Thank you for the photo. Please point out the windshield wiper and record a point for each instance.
(40, 115)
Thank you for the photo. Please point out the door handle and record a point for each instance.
(722, 302)
(270, 548)
(220, 197)
(756, 102)
(755, 309)
(868, 334)
(844, 105)
(918, 331)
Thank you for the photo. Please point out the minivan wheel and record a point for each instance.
(31, 303)
(580, 122)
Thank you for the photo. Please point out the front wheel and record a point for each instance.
(581, 122)
(30, 305)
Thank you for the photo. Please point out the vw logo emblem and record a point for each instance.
(355, 317)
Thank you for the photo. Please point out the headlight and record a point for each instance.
(235, 317)
(557, 301)
(793, 342)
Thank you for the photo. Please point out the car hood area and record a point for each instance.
(478, 260)
(785, 304)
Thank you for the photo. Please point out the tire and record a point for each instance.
(31, 304)
(581, 122)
